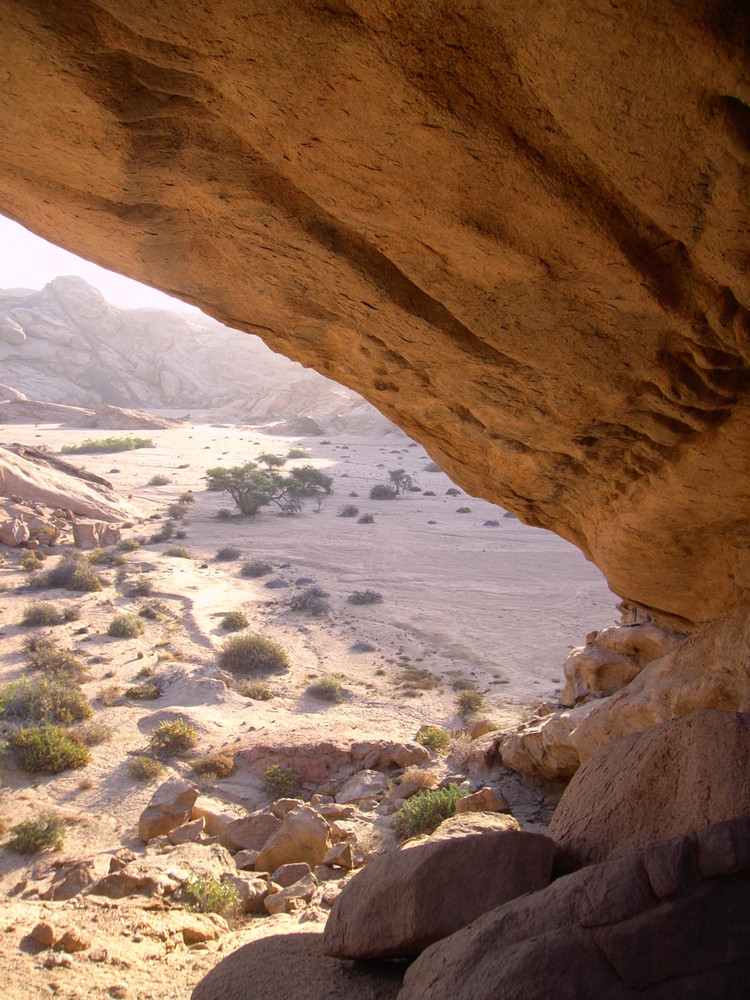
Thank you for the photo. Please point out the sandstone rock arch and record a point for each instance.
(519, 230)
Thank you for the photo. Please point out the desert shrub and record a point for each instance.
(143, 692)
(187, 497)
(72, 572)
(233, 621)
(178, 552)
(432, 467)
(400, 480)
(208, 894)
(109, 695)
(46, 655)
(469, 701)
(47, 750)
(145, 768)
(142, 586)
(272, 461)
(228, 554)
(130, 544)
(459, 752)
(328, 687)
(463, 510)
(453, 492)
(93, 446)
(176, 511)
(414, 679)
(297, 453)
(253, 654)
(223, 514)
(159, 480)
(350, 510)
(255, 568)
(45, 833)
(30, 560)
(220, 764)
(365, 597)
(491, 524)
(366, 519)
(146, 670)
(103, 557)
(172, 737)
(428, 493)
(41, 613)
(163, 534)
(280, 781)
(256, 691)
(252, 488)
(312, 601)
(383, 491)
(362, 646)
(56, 698)
(434, 738)
(92, 734)
(425, 811)
(420, 777)
(125, 626)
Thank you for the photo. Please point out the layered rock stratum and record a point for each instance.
(521, 231)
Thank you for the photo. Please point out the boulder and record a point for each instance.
(245, 860)
(474, 822)
(485, 800)
(363, 785)
(14, 532)
(250, 833)
(287, 875)
(73, 939)
(312, 762)
(90, 534)
(280, 807)
(341, 856)
(544, 750)
(170, 806)
(402, 902)
(252, 891)
(676, 778)
(197, 928)
(664, 924)
(303, 836)
(293, 967)
(188, 832)
(380, 753)
(215, 822)
(292, 897)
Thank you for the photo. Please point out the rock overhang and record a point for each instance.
(522, 235)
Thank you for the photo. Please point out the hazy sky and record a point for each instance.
(26, 261)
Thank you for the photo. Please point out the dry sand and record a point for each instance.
(497, 605)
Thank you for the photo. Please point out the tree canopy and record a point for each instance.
(252, 488)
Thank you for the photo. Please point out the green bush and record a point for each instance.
(219, 765)
(187, 497)
(366, 519)
(47, 750)
(383, 491)
(365, 597)
(228, 554)
(425, 811)
(256, 691)
(255, 568)
(163, 534)
(125, 626)
(280, 781)
(208, 894)
(102, 557)
(41, 613)
(93, 446)
(172, 737)
(142, 586)
(145, 768)
(253, 654)
(178, 552)
(176, 511)
(350, 510)
(72, 572)
(31, 560)
(233, 621)
(434, 738)
(297, 453)
(130, 544)
(56, 698)
(312, 601)
(328, 687)
(45, 833)
(46, 655)
(223, 514)
(159, 480)
(143, 692)
(469, 701)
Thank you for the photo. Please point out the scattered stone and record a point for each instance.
(43, 934)
(55, 961)
(363, 785)
(341, 855)
(544, 749)
(188, 832)
(253, 892)
(73, 939)
(70, 880)
(288, 874)
(170, 806)
(333, 810)
(381, 753)
(303, 836)
(485, 800)
(118, 991)
(215, 823)
(98, 955)
(196, 928)
(245, 860)
(403, 902)
(291, 898)
(120, 859)
(282, 806)
(251, 833)
(479, 728)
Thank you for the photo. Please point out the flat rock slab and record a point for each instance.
(402, 902)
(665, 924)
(293, 967)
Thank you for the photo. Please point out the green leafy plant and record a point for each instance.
(312, 601)
(256, 691)
(125, 626)
(172, 737)
(234, 621)
(208, 894)
(41, 613)
(45, 833)
(103, 557)
(186, 498)
(365, 597)
(383, 491)
(55, 698)
(145, 768)
(252, 488)
(425, 811)
(93, 446)
(434, 738)
(220, 764)
(253, 654)
(255, 568)
(130, 544)
(469, 701)
(328, 687)
(280, 781)
(47, 750)
(31, 560)
(228, 554)
(297, 453)
(72, 572)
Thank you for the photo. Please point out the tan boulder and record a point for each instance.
(485, 800)
(463, 824)
(303, 836)
(288, 874)
(252, 892)
(292, 897)
(188, 832)
(371, 754)
(405, 901)
(544, 748)
(245, 860)
(250, 833)
(364, 784)
(170, 806)
(197, 928)
(73, 939)
(215, 822)
(341, 856)
(676, 778)
(14, 532)
(90, 534)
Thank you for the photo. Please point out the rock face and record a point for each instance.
(303, 836)
(667, 924)
(401, 903)
(170, 806)
(676, 778)
(558, 311)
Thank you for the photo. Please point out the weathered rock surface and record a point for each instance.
(544, 748)
(291, 897)
(560, 312)
(303, 836)
(402, 902)
(170, 806)
(666, 924)
(711, 669)
(363, 785)
(676, 778)
(485, 800)
(314, 762)
(293, 966)
(250, 833)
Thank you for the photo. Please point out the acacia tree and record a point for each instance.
(400, 480)
(252, 488)
(272, 461)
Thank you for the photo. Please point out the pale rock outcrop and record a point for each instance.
(303, 836)
(170, 806)
(313, 762)
(90, 534)
(665, 924)
(188, 833)
(250, 833)
(711, 669)
(14, 532)
(613, 657)
(674, 779)
(402, 902)
(363, 785)
(373, 754)
(288, 874)
(252, 892)
(463, 824)
(544, 748)
(292, 897)
(484, 800)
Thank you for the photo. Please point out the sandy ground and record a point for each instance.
(497, 605)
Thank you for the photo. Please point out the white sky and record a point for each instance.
(27, 261)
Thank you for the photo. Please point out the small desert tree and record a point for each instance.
(271, 461)
(400, 480)
(252, 488)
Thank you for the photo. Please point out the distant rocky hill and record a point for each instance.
(66, 345)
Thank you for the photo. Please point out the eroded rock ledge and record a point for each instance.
(519, 231)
